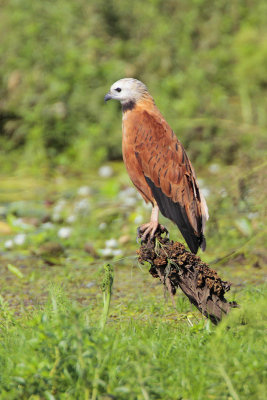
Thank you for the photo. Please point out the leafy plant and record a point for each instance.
(106, 287)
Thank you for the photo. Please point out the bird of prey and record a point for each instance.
(158, 164)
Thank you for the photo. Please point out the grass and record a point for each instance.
(59, 340)
(61, 353)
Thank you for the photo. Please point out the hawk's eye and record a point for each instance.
(118, 89)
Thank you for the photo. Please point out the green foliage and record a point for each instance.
(203, 61)
(59, 353)
(106, 287)
(58, 350)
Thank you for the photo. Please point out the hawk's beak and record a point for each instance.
(107, 97)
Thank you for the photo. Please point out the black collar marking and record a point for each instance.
(128, 106)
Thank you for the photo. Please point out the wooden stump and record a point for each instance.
(177, 267)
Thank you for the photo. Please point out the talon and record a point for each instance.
(145, 234)
(163, 229)
(148, 229)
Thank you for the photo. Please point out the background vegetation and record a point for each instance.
(203, 61)
(67, 205)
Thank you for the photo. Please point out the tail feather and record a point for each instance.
(176, 213)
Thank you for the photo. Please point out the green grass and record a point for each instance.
(60, 353)
(59, 340)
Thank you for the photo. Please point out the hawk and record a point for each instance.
(158, 164)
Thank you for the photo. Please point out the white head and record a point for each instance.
(126, 90)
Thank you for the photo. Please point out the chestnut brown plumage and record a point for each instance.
(158, 165)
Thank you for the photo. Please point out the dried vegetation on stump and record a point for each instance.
(177, 267)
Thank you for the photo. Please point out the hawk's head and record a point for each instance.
(127, 90)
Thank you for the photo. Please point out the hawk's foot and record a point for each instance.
(150, 230)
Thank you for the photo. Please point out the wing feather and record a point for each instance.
(170, 177)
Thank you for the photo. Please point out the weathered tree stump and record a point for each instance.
(177, 267)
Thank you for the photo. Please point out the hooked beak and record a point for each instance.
(107, 97)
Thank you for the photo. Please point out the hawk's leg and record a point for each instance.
(151, 227)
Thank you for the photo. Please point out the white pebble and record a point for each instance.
(9, 244)
(81, 205)
(19, 223)
(105, 171)
(116, 252)
(59, 206)
(84, 191)
(56, 217)
(20, 239)
(48, 225)
(64, 232)
(71, 219)
(111, 243)
(106, 252)
(128, 196)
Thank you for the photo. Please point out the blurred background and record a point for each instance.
(205, 64)
(67, 206)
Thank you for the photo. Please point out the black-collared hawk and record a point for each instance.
(158, 165)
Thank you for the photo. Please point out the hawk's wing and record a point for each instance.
(171, 178)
